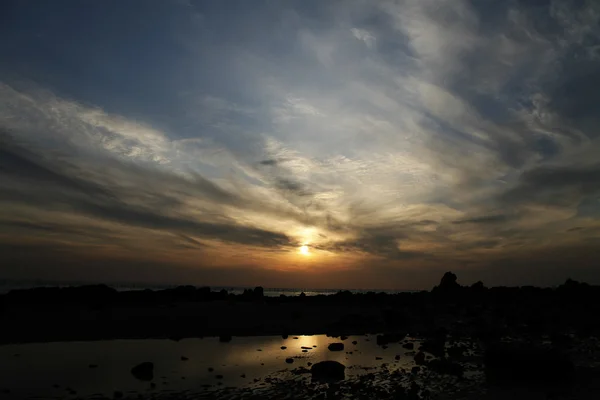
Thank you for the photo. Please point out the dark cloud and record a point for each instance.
(292, 186)
(487, 219)
(72, 193)
(377, 245)
(28, 167)
(269, 162)
(555, 185)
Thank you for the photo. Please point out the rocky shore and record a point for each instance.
(99, 312)
(544, 340)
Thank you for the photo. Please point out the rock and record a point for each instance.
(355, 342)
(118, 395)
(388, 338)
(184, 358)
(296, 337)
(225, 338)
(284, 336)
(328, 371)
(258, 349)
(419, 358)
(306, 348)
(378, 358)
(397, 357)
(435, 345)
(218, 376)
(300, 371)
(305, 351)
(143, 371)
(336, 346)
(289, 360)
(445, 367)
(309, 363)
(409, 346)
(448, 282)
(505, 363)
(343, 337)
(210, 369)
(283, 347)
(415, 370)
(455, 351)
(242, 375)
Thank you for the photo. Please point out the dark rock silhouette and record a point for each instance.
(98, 312)
(289, 360)
(388, 338)
(526, 364)
(143, 371)
(419, 358)
(448, 284)
(446, 367)
(328, 371)
(336, 347)
(225, 338)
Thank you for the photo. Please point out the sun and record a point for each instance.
(304, 250)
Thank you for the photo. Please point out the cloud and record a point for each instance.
(405, 135)
(364, 36)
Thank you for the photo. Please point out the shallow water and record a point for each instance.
(33, 370)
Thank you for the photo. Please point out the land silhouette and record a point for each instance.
(527, 335)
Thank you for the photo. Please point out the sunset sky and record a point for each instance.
(322, 144)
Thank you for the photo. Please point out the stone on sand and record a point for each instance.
(143, 371)
(336, 346)
(328, 371)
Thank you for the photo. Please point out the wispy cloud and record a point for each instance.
(399, 136)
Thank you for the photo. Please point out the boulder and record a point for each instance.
(328, 371)
(336, 347)
(445, 367)
(388, 338)
(224, 338)
(289, 360)
(420, 358)
(434, 346)
(523, 363)
(143, 371)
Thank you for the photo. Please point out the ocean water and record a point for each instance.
(8, 285)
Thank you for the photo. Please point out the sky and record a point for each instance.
(321, 144)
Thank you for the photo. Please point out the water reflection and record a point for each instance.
(49, 369)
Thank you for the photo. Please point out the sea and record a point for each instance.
(6, 285)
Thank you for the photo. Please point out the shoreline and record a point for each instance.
(98, 312)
